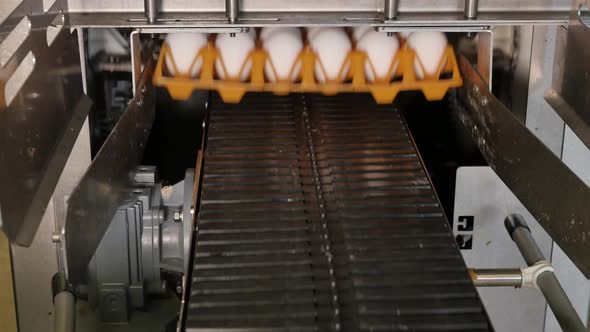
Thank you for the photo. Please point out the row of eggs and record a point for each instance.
(284, 44)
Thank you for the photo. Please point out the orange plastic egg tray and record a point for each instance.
(401, 76)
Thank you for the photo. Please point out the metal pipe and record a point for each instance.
(471, 7)
(150, 8)
(64, 319)
(64, 304)
(496, 277)
(558, 301)
(391, 9)
(521, 234)
(232, 10)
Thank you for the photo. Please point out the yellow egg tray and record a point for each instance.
(401, 76)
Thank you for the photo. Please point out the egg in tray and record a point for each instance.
(326, 60)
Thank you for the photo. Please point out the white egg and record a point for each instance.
(332, 46)
(234, 52)
(380, 49)
(252, 33)
(266, 32)
(283, 47)
(429, 47)
(312, 32)
(405, 34)
(184, 48)
(360, 31)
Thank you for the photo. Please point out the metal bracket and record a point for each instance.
(531, 273)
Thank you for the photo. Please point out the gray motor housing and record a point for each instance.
(148, 235)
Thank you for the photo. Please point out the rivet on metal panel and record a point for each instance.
(56, 237)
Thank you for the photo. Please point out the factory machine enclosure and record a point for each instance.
(127, 209)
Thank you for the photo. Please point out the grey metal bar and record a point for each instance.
(521, 234)
(556, 298)
(65, 312)
(559, 303)
(64, 302)
(232, 10)
(391, 9)
(151, 10)
(496, 277)
(471, 7)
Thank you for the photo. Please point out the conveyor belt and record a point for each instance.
(316, 214)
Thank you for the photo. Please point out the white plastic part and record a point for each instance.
(531, 273)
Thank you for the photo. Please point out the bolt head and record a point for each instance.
(178, 215)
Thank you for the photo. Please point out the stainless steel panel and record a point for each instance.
(523, 46)
(325, 5)
(577, 157)
(571, 79)
(108, 181)
(38, 129)
(554, 195)
(248, 19)
(33, 268)
(540, 117)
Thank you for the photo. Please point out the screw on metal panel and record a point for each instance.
(56, 237)
(161, 216)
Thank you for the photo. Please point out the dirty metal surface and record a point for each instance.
(316, 214)
(108, 181)
(554, 195)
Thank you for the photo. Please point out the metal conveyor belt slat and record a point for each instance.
(316, 214)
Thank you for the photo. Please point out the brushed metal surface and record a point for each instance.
(323, 5)
(571, 79)
(553, 194)
(342, 18)
(108, 180)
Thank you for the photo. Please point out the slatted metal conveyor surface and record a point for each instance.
(316, 214)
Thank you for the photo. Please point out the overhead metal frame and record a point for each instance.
(253, 19)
